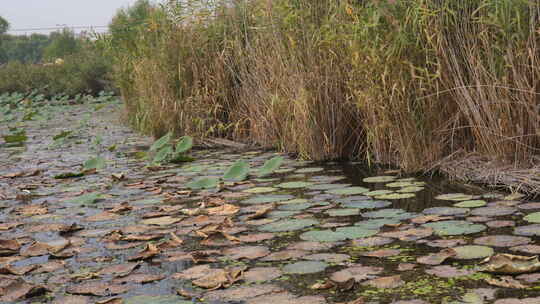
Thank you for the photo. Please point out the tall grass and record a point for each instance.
(401, 82)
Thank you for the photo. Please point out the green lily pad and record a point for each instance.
(260, 190)
(528, 230)
(237, 172)
(390, 213)
(282, 213)
(455, 227)
(85, 199)
(156, 300)
(471, 252)
(203, 183)
(270, 166)
(379, 179)
(309, 170)
(264, 199)
(348, 191)
(533, 217)
(377, 223)
(324, 187)
(403, 184)
(444, 211)
(305, 267)
(295, 201)
(343, 212)
(160, 143)
(454, 197)
(471, 204)
(184, 144)
(340, 234)
(493, 211)
(395, 196)
(294, 185)
(97, 163)
(294, 207)
(288, 225)
(368, 204)
(378, 192)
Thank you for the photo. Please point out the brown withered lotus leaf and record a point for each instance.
(119, 270)
(173, 242)
(256, 237)
(161, 221)
(97, 288)
(73, 300)
(372, 241)
(311, 246)
(141, 237)
(531, 249)
(149, 252)
(358, 273)
(261, 212)
(116, 246)
(204, 256)
(328, 284)
(437, 258)
(9, 247)
(502, 240)
(242, 293)
(506, 282)
(445, 271)
(409, 234)
(429, 218)
(140, 278)
(226, 209)
(262, 274)
(529, 277)
(9, 226)
(22, 270)
(38, 248)
(194, 272)
(31, 210)
(284, 255)
(50, 266)
(446, 243)
(102, 216)
(510, 264)
(328, 257)
(529, 206)
(20, 289)
(381, 253)
(220, 278)
(287, 298)
(246, 252)
(385, 282)
(500, 224)
(406, 266)
(121, 208)
(518, 301)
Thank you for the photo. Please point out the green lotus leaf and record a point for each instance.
(237, 172)
(288, 225)
(348, 191)
(270, 166)
(203, 183)
(184, 144)
(455, 227)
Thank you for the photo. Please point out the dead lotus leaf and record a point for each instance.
(9, 246)
(32, 210)
(103, 216)
(140, 278)
(8, 226)
(38, 248)
(506, 282)
(19, 289)
(8, 269)
(119, 270)
(220, 278)
(260, 213)
(122, 207)
(385, 282)
(161, 221)
(226, 209)
(437, 258)
(204, 256)
(510, 264)
(323, 286)
(173, 242)
(113, 300)
(140, 237)
(149, 251)
(429, 218)
(97, 288)
(409, 234)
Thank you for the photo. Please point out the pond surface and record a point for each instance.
(307, 233)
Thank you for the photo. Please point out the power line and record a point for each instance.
(57, 28)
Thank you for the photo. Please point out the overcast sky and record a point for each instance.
(24, 14)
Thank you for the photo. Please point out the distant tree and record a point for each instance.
(62, 43)
(128, 23)
(4, 25)
(26, 49)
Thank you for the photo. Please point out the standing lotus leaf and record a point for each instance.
(237, 172)
(270, 166)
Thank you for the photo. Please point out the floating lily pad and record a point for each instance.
(237, 172)
(294, 201)
(294, 185)
(502, 240)
(294, 207)
(260, 190)
(454, 197)
(282, 213)
(324, 187)
(264, 199)
(410, 189)
(288, 225)
(203, 183)
(377, 223)
(471, 204)
(340, 234)
(378, 192)
(493, 211)
(97, 163)
(328, 257)
(368, 204)
(343, 212)
(473, 252)
(395, 196)
(529, 230)
(446, 211)
(86, 199)
(309, 170)
(305, 267)
(533, 217)
(379, 179)
(156, 300)
(390, 213)
(403, 184)
(348, 191)
(455, 227)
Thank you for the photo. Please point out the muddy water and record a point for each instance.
(348, 227)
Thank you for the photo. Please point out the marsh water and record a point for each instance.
(335, 232)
